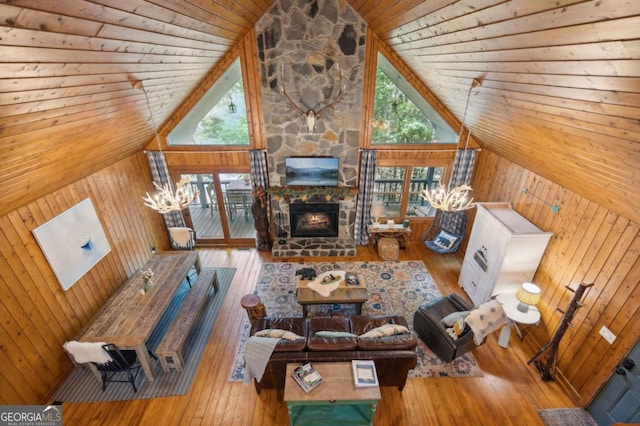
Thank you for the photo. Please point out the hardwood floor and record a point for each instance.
(509, 393)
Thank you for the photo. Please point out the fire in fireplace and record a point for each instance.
(314, 220)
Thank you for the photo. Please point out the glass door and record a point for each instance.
(222, 212)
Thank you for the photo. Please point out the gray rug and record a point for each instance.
(82, 385)
(566, 417)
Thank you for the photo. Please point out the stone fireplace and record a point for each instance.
(314, 220)
(302, 46)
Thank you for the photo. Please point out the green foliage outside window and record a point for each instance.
(221, 125)
(397, 120)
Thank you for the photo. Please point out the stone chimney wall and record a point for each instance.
(306, 45)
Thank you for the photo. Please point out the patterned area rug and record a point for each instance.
(395, 287)
(566, 416)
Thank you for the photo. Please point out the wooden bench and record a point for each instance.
(170, 349)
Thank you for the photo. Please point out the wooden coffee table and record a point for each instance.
(336, 401)
(356, 295)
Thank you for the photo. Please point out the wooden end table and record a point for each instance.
(356, 295)
(336, 401)
(399, 232)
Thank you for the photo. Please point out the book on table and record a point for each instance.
(364, 373)
(307, 376)
(352, 280)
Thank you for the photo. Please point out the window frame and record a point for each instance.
(444, 161)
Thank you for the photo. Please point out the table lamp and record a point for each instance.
(377, 211)
(528, 295)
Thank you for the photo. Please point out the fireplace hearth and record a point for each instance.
(314, 219)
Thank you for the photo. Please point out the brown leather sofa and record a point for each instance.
(393, 355)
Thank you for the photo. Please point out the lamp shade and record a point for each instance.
(528, 294)
(377, 210)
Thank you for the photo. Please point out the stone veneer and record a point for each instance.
(305, 45)
(313, 247)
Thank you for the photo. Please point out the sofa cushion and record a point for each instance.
(277, 333)
(363, 324)
(297, 326)
(319, 343)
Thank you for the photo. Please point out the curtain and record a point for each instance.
(365, 196)
(461, 175)
(258, 164)
(160, 174)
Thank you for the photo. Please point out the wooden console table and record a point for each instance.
(398, 232)
(336, 401)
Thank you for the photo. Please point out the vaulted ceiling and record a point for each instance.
(560, 90)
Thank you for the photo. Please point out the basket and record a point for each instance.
(388, 248)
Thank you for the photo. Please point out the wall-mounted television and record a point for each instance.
(311, 171)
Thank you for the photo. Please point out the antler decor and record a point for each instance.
(311, 117)
(449, 200)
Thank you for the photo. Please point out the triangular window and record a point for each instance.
(401, 115)
(219, 118)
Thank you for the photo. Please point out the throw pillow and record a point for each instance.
(277, 334)
(329, 333)
(445, 240)
(386, 330)
(453, 317)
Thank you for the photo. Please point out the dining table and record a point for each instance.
(131, 313)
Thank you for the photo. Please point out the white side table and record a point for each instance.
(515, 317)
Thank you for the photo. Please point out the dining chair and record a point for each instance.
(182, 238)
(213, 200)
(108, 359)
(235, 201)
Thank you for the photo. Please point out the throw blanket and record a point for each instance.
(83, 352)
(325, 290)
(181, 236)
(485, 319)
(257, 352)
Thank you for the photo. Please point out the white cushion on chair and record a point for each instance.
(181, 236)
(83, 352)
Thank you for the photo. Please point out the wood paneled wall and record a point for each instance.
(591, 244)
(36, 315)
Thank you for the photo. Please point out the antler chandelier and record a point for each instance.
(166, 199)
(449, 200)
(458, 198)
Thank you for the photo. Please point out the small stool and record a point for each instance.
(254, 306)
(388, 248)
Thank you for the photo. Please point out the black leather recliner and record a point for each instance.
(427, 324)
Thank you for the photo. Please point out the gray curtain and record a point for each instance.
(365, 196)
(258, 164)
(461, 175)
(160, 174)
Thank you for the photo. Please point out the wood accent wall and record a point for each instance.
(591, 244)
(36, 315)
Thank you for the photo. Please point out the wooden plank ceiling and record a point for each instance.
(560, 92)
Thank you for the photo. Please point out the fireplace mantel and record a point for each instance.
(304, 193)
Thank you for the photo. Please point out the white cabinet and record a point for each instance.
(504, 251)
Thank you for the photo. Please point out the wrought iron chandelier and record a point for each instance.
(166, 199)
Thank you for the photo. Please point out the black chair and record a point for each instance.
(446, 232)
(427, 324)
(121, 362)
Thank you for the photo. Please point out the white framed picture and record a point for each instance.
(73, 242)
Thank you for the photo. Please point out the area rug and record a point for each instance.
(566, 416)
(82, 385)
(394, 287)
